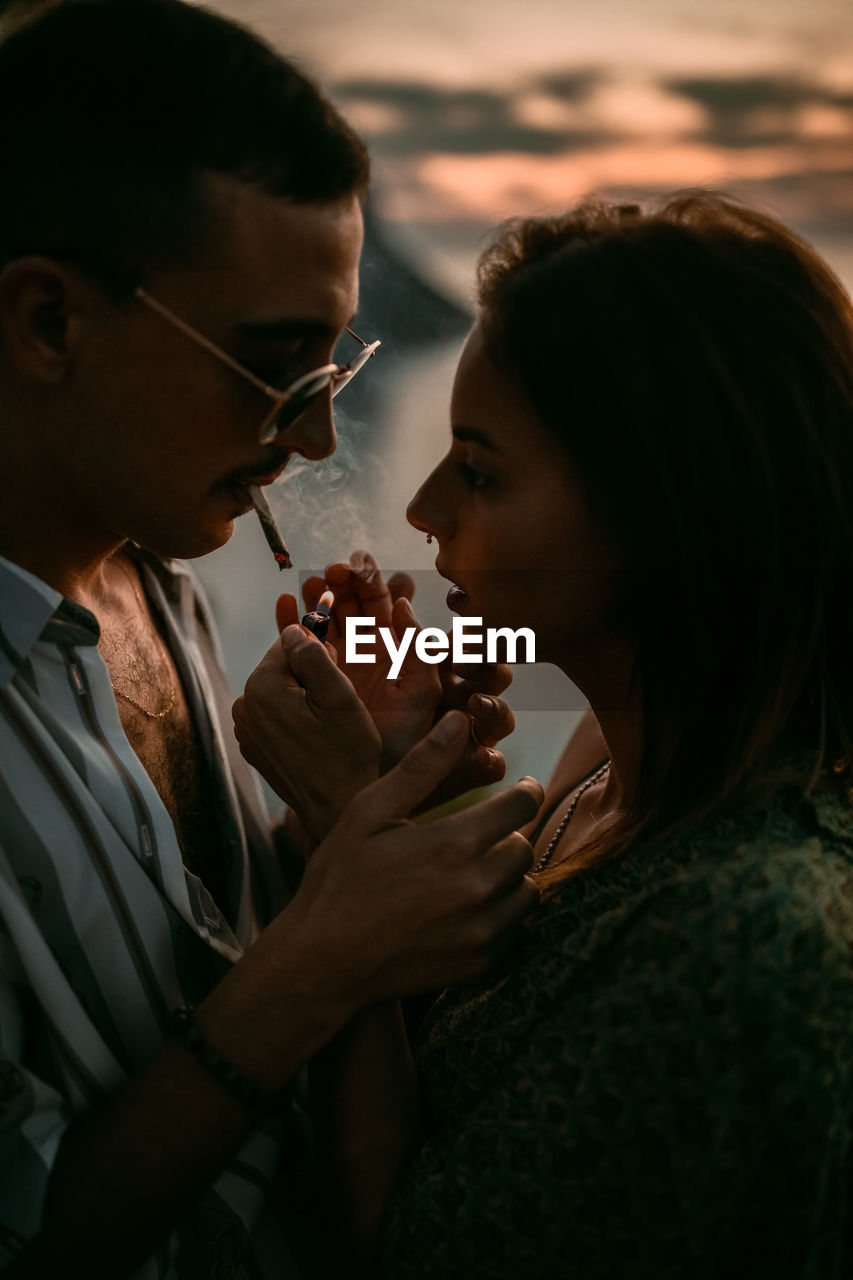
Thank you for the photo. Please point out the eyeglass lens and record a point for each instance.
(304, 390)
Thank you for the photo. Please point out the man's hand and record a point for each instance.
(301, 724)
(386, 908)
(431, 904)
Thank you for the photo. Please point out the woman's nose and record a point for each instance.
(414, 510)
(424, 511)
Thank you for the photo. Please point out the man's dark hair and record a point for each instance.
(111, 110)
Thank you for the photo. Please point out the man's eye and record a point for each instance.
(276, 373)
(474, 478)
(281, 368)
(277, 378)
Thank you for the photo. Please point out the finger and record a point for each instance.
(363, 566)
(509, 861)
(237, 713)
(418, 774)
(491, 718)
(403, 617)
(357, 596)
(484, 767)
(489, 821)
(401, 584)
(488, 677)
(479, 767)
(272, 673)
(315, 671)
(372, 591)
(312, 589)
(507, 913)
(286, 612)
(412, 668)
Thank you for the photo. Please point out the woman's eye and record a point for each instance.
(472, 476)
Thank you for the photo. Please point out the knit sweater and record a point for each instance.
(659, 1082)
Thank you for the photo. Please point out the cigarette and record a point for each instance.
(318, 619)
(275, 542)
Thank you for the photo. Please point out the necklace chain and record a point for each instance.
(152, 715)
(125, 697)
(568, 815)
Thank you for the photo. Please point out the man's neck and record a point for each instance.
(71, 564)
(48, 531)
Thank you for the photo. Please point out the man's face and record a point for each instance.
(165, 436)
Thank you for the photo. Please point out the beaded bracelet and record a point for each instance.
(185, 1031)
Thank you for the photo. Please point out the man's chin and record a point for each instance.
(189, 544)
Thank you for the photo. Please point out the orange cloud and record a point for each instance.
(441, 186)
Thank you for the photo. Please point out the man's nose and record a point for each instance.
(313, 433)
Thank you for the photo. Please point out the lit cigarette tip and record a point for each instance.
(275, 542)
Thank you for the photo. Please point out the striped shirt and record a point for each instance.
(102, 929)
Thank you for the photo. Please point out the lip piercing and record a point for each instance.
(429, 537)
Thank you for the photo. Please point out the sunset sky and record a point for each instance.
(478, 109)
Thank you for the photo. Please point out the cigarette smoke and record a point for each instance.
(325, 509)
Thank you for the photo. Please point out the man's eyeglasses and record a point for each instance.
(290, 402)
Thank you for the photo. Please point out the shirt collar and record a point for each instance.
(26, 606)
(30, 610)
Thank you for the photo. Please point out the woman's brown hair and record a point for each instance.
(696, 362)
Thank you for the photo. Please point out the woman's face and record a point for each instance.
(515, 533)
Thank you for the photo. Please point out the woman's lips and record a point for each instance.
(456, 596)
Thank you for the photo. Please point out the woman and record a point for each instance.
(652, 464)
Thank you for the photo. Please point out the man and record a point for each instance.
(181, 218)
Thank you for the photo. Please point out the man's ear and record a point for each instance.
(39, 321)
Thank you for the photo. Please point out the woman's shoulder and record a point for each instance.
(782, 845)
(765, 878)
(740, 934)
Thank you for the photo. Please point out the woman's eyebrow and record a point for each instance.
(475, 436)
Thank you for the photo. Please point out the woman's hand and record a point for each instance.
(301, 724)
(404, 709)
(475, 690)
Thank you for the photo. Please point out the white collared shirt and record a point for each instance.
(103, 931)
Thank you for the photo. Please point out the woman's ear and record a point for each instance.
(39, 320)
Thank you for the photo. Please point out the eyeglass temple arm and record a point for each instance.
(222, 356)
(376, 343)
